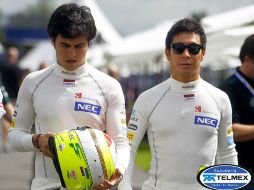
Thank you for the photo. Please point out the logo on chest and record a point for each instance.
(86, 107)
(201, 120)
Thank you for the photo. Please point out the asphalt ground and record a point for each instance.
(16, 171)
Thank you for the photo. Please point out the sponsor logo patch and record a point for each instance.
(133, 113)
(130, 136)
(229, 131)
(14, 114)
(68, 73)
(224, 177)
(188, 86)
(124, 130)
(132, 127)
(230, 140)
(78, 95)
(123, 121)
(13, 123)
(133, 119)
(198, 109)
(201, 120)
(86, 107)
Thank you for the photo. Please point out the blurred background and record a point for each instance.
(130, 42)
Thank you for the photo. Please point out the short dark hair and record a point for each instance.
(70, 21)
(247, 48)
(186, 25)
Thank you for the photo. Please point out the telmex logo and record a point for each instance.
(200, 120)
(224, 177)
(86, 107)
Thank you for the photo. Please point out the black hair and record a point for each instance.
(247, 48)
(186, 25)
(70, 21)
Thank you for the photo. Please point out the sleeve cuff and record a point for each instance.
(27, 142)
(121, 168)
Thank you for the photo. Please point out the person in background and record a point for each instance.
(240, 89)
(129, 88)
(113, 71)
(6, 121)
(188, 121)
(11, 73)
(43, 65)
(67, 95)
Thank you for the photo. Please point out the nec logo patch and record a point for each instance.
(86, 107)
(200, 120)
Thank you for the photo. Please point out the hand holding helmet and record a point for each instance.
(84, 158)
(40, 142)
(115, 180)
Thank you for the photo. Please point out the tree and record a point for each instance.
(198, 15)
(33, 17)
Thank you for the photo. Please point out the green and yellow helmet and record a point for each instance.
(83, 157)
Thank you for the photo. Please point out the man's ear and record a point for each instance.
(202, 54)
(247, 59)
(167, 53)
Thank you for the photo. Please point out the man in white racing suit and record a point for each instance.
(67, 95)
(188, 121)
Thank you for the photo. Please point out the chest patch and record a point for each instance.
(208, 121)
(86, 107)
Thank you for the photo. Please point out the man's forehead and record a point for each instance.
(187, 36)
(73, 41)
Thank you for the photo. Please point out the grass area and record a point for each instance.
(143, 156)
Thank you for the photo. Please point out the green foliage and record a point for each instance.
(2, 36)
(198, 15)
(143, 157)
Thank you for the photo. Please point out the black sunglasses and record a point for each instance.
(179, 48)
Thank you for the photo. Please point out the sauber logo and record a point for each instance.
(86, 107)
(200, 120)
(78, 95)
(198, 109)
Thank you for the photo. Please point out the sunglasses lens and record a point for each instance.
(178, 48)
(194, 48)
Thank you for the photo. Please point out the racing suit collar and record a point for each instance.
(184, 87)
(62, 72)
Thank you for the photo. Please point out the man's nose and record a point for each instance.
(186, 52)
(71, 52)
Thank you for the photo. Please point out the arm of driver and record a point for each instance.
(137, 127)
(23, 118)
(116, 125)
(226, 153)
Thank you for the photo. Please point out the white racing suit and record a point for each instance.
(188, 125)
(54, 100)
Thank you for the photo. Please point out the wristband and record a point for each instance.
(36, 142)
